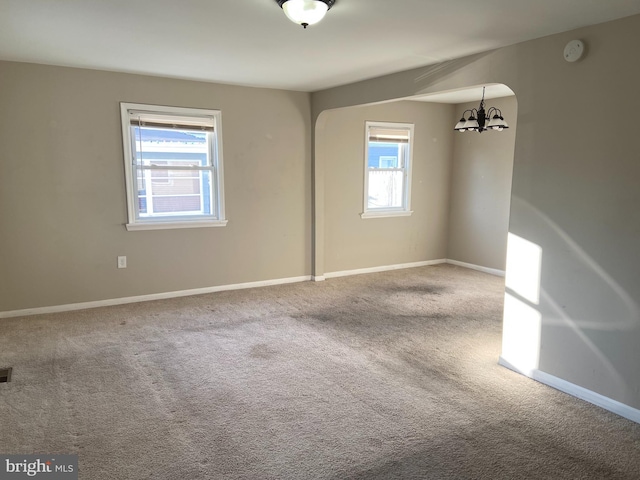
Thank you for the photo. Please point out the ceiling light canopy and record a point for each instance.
(305, 12)
(477, 121)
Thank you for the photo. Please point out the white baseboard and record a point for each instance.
(492, 271)
(577, 391)
(237, 286)
(150, 297)
(384, 268)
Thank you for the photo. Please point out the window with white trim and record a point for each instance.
(173, 167)
(387, 169)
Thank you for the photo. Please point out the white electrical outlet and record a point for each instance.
(122, 262)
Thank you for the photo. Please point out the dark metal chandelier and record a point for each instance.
(477, 121)
(305, 12)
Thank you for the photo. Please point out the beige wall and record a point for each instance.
(574, 192)
(352, 242)
(62, 193)
(482, 167)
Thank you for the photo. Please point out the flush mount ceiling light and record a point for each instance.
(477, 121)
(305, 12)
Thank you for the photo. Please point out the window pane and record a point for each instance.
(142, 204)
(174, 192)
(183, 205)
(179, 182)
(385, 189)
(163, 192)
(386, 155)
(169, 146)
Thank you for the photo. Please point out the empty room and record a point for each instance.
(319, 239)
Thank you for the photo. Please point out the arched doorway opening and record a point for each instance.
(461, 187)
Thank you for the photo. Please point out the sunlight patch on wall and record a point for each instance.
(522, 323)
(524, 260)
(521, 335)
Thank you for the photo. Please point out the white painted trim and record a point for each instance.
(170, 225)
(150, 297)
(577, 391)
(492, 271)
(386, 213)
(383, 268)
(220, 288)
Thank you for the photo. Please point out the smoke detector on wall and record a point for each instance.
(574, 50)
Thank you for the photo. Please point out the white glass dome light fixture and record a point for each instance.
(305, 12)
(477, 121)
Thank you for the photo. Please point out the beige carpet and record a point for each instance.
(381, 376)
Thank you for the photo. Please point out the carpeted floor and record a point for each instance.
(383, 376)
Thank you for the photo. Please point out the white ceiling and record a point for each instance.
(251, 42)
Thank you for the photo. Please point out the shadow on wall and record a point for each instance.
(533, 317)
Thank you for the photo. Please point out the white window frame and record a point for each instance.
(216, 171)
(405, 209)
(385, 157)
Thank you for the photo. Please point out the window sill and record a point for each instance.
(174, 225)
(386, 214)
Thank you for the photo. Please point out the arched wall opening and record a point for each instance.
(461, 186)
